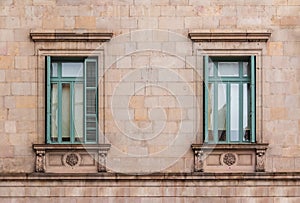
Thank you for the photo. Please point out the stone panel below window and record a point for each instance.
(229, 158)
(70, 158)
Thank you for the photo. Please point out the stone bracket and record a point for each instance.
(68, 158)
(40, 161)
(229, 157)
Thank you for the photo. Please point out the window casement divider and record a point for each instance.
(48, 89)
(252, 112)
(206, 97)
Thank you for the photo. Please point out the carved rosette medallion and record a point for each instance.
(229, 159)
(71, 159)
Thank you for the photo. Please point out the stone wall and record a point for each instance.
(22, 77)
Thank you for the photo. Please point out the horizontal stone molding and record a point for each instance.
(71, 146)
(70, 36)
(271, 176)
(233, 36)
(262, 146)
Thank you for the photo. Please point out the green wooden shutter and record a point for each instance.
(205, 64)
(90, 100)
(48, 96)
(252, 86)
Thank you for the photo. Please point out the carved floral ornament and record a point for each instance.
(71, 159)
(229, 159)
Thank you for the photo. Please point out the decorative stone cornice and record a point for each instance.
(230, 36)
(69, 36)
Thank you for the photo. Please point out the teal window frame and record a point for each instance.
(215, 79)
(90, 117)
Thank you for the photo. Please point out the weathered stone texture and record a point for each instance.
(22, 112)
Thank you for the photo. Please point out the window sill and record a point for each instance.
(229, 157)
(70, 158)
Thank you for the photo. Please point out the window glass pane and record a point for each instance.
(246, 69)
(222, 112)
(54, 70)
(234, 112)
(65, 112)
(228, 69)
(211, 69)
(72, 70)
(246, 112)
(210, 112)
(54, 113)
(78, 112)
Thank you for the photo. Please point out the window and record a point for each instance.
(229, 99)
(72, 94)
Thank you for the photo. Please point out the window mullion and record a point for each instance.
(206, 95)
(241, 111)
(252, 99)
(59, 112)
(59, 104)
(216, 131)
(228, 111)
(71, 112)
(48, 89)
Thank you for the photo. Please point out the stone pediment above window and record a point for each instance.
(70, 36)
(230, 36)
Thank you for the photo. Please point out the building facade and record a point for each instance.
(150, 100)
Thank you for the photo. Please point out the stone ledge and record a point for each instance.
(272, 176)
(69, 36)
(230, 146)
(70, 146)
(232, 36)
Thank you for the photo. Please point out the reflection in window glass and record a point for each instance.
(210, 111)
(222, 112)
(234, 112)
(246, 113)
(78, 112)
(72, 70)
(54, 110)
(211, 69)
(246, 69)
(228, 69)
(54, 70)
(65, 112)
